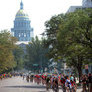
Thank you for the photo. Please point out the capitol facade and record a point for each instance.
(22, 29)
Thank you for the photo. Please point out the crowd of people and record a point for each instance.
(9, 75)
(86, 81)
(5, 75)
(66, 83)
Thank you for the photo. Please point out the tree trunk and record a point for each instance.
(79, 67)
(80, 73)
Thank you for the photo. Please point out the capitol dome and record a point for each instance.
(21, 14)
(22, 29)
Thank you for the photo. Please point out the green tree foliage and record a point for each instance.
(73, 38)
(18, 57)
(36, 55)
(52, 27)
(6, 47)
(75, 32)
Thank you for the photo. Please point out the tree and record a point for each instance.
(18, 57)
(52, 28)
(36, 56)
(6, 47)
(72, 37)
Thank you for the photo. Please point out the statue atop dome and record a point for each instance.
(21, 5)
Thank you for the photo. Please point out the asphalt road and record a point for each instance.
(17, 84)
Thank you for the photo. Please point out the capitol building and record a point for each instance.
(22, 29)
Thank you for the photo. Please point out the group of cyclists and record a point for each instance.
(54, 82)
(66, 83)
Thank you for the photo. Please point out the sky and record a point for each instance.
(39, 12)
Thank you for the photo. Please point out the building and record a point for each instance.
(22, 28)
(85, 4)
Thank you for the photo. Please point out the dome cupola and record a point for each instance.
(21, 14)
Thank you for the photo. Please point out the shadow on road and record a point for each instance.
(41, 87)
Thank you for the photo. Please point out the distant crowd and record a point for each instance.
(9, 75)
(86, 81)
(5, 75)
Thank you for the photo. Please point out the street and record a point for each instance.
(17, 84)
